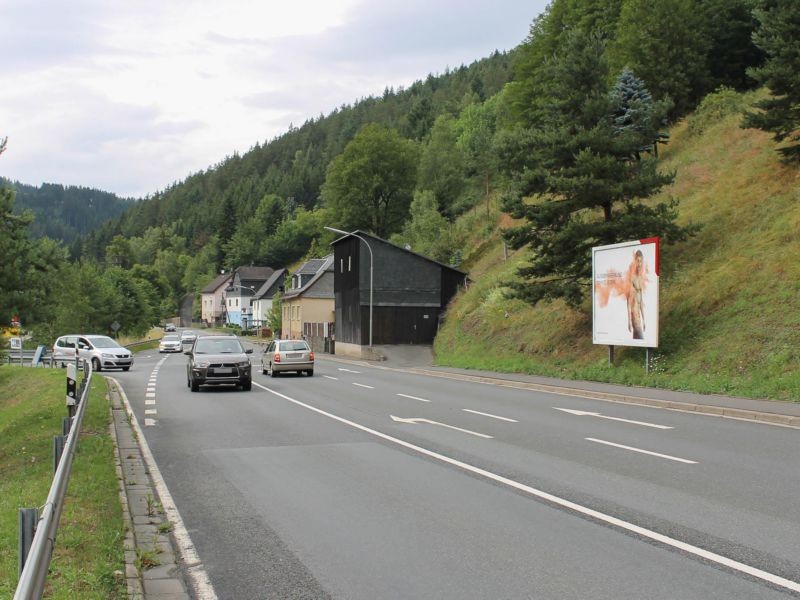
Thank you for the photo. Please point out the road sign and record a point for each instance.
(115, 326)
(16, 343)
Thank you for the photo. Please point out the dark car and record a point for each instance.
(218, 360)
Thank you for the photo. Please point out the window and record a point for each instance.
(349, 265)
(341, 265)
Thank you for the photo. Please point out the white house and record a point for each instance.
(262, 301)
(213, 301)
(240, 292)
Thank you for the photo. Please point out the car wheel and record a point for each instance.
(263, 370)
(310, 372)
(272, 371)
(247, 385)
(96, 364)
(194, 385)
(126, 368)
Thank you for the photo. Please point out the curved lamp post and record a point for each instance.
(370, 273)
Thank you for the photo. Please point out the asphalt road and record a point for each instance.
(365, 483)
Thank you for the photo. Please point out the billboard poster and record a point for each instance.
(625, 293)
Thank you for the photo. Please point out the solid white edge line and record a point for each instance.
(369, 387)
(647, 533)
(413, 397)
(639, 450)
(196, 572)
(488, 415)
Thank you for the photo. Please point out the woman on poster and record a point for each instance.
(636, 279)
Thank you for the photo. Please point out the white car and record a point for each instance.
(101, 350)
(170, 343)
(188, 336)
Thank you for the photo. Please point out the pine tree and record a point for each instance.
(585, 178)
(778, 35)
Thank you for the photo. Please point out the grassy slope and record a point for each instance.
(89, 543)
(730, 297)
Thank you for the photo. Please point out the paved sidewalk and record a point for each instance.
(151, 561)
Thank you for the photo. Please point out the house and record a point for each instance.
(308, 306)
(212, 299)
(410, 293)
(262, 301)
(239, 294)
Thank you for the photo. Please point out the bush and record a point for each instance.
(715, 107)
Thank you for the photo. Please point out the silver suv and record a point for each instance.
(101, 350)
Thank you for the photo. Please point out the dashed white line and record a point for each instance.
(369, 387)
(632, 449)
(329, 377)
(614, 521)
(149, 422)
(413, 397)
(349, 370)
(150, 411)
(492, 416)
(149, 402)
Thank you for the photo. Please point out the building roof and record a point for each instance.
(254, 273)
(311, 267)
(217, 283)
(388, 243)
(319, 286)
(276, 277)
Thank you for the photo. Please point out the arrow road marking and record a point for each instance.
(631, 448)
(348, 370)
(583, 413)
(429, 422)
(488, 415)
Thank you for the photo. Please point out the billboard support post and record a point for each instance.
(611, 355)
(647, 361)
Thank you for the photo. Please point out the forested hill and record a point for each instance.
(292, 166)
(65, 212)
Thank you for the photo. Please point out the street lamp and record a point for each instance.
(370, 273)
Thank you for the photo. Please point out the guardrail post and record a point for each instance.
(58, 450)
(28, 517)
(66, 423)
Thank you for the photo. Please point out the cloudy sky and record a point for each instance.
(130, 97)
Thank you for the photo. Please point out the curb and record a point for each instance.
(148, 536)
(767, 418)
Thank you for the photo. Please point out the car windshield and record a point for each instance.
(170, 338)
(104, 342)
(218, 346)
(187, 333)
(293, 346)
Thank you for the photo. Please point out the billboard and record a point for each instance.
(625, 294)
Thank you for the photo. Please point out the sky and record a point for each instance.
(131, 97)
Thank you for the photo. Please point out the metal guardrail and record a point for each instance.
(35, 563)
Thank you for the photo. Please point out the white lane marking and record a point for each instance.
(632, 449)
(349, 370)
(150, 411)
(149, 422)
(488, 415)
(584, 413)
(150, 395)
(429, 422)
(329, 377)
(201, 583)
(149, 402)
(413, 397)
(636, 529)
(369, 387)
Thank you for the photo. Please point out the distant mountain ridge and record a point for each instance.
(66, 212)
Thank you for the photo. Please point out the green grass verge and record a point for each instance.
(729, 297)
(89, 544)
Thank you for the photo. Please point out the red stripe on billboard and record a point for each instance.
(654, 240)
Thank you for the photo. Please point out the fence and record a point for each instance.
(37, 539)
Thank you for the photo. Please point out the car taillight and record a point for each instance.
(277, 357)
(311, 356)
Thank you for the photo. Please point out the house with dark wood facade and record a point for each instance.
(409, 294)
